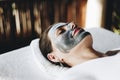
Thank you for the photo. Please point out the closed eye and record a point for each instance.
(61, 31)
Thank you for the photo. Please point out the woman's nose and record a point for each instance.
(71, 25)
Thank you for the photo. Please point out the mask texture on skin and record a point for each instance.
(65, 42)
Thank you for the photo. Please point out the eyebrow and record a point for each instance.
(58, 28)
(63, 25)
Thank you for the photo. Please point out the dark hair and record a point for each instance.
(44, 43)
(46, 46)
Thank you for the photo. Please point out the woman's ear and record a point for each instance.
(52, 57)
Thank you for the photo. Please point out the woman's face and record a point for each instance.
(66, 36)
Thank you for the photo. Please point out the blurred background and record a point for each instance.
(21, 21)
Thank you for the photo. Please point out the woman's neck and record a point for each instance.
(82, 55)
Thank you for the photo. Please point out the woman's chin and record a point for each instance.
(86, 41)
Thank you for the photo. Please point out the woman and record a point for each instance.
(68, 44)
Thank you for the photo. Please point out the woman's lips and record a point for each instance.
(76, 31)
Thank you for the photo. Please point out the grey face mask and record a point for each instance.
(66, 41)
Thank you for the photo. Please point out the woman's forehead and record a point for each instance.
(54, 27)
(57, 25)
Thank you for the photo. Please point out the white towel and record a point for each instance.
(21, 64)
(107, 68)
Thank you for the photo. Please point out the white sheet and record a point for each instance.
(107, 68)
(104, 40)
(21, 64)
